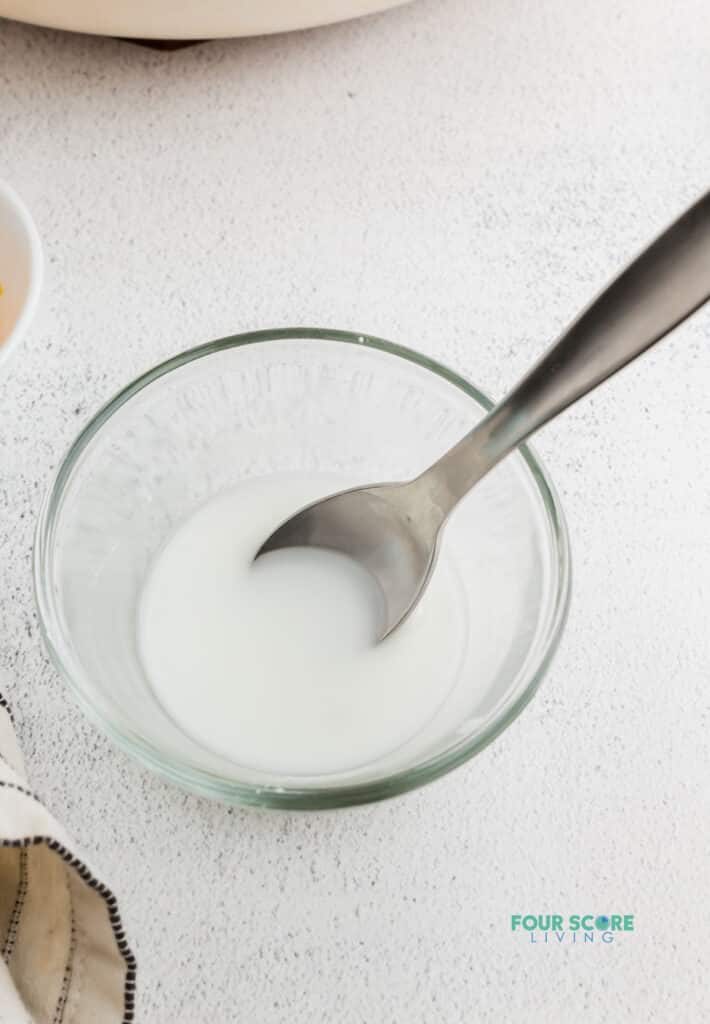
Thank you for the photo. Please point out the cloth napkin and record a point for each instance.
(65, 959)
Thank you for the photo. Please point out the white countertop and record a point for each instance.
(458, 176)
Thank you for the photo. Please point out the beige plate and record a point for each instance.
(196, 19)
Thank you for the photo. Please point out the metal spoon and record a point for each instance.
(393, 529)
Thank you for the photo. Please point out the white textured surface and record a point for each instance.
(458, 176)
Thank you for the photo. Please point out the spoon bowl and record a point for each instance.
(384, 528)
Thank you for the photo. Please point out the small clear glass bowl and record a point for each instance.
(283, 401)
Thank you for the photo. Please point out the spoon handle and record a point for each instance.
(664, 284)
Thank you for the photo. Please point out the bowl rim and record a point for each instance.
(207, 783)
(10, 197)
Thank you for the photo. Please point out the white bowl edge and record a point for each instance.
(11, 198)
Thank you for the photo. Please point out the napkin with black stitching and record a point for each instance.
(65, 959)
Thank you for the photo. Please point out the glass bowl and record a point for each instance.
(283, 401)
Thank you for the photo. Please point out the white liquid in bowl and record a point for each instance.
(273, 664)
